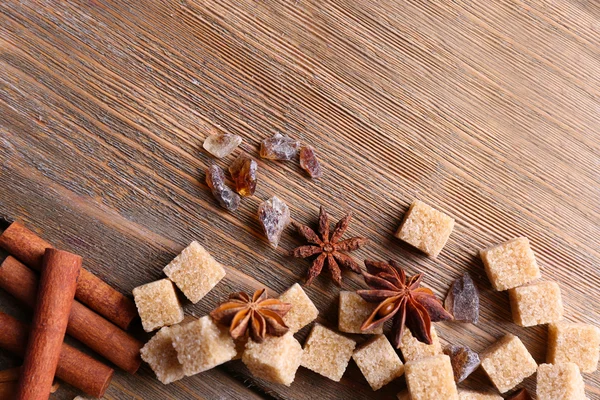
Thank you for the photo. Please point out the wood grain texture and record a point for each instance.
(487, 110)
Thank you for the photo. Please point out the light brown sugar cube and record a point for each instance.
(303, 310)
(378, 362)
(431, 378)
(510, 264)
(276, 359)
(327, 352)
(576, 343)
(536, 303)
(464, 394)
(195, 272)
(560, 381)
(202, 345)
(413, 350)
(425, 228)
(162, 357)
(507, 362)
(157, 304)
(353, 311)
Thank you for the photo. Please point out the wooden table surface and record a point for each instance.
(488, 110)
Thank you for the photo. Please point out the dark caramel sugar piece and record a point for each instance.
(462, 300)
(464, 361)
(310, 163)
(215, 179)
(279, 147)
(243, 172)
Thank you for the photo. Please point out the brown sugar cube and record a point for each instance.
(327, 352)
(473, 395)
(510, 264)
(576, 343)
(202, 345)
(157, 304)
(162, 357)
(560, 381)
(431, 378)
(413, 350)
(276, 359)
(195, 272)
(425, 228)
(353, 311)
(536, 304)
(507, 362)
(303, 310)
(378, 362)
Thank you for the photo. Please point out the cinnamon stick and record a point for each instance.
(84, 325)
(74, 367)
(29, 248)
(56, 293)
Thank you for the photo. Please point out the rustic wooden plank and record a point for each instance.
(489, 112)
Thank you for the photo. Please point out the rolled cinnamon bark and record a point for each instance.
(92, 291)
(74, 367)
(56, 293)
(84, 325)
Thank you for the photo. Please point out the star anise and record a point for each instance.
(328, 248)
(257, 315)
(411, 306)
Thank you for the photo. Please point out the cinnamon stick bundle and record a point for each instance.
(84, 325)
(29, 248)
(74, 367)
(56, 293)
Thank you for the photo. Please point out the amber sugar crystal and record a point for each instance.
(464, 361)
(327, 352)
(162, 357)
(510, 264)
(574, 342)
(276, 359)
(412, 349)
(221, 144)
(274, 217)
(378, 362)
(215, 180)
(536, 303)
(279, 147)
(425, 228)
(202, 345)
(310, 163)
(431, 378)
(507, 362)
(560, 381)
(243, 172)
(303, 310)
(353, 311)
(157, 304)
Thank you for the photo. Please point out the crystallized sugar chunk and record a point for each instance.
(195, 272)
(507, 362)
(431, 379)
(412, 349)
(221, 144)
(157, 304)
(162, 357)
(425, 228)
(510, 264)
(576, 343)
(303, 310)
(472, 395)
(353, 311)
(327, 352)
(276, 359)
(202, 345)
(378, 362)
(560, 381)
(536, 303)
